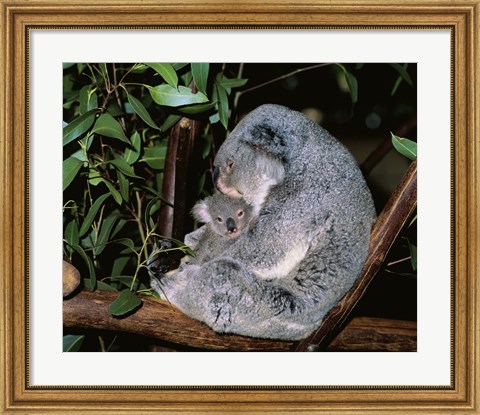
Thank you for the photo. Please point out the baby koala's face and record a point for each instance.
(227, 216)
(230, 222)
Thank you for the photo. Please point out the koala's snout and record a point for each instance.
(231, 225)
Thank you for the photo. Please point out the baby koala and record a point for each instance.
(226, 218)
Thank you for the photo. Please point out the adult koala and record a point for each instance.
(308, 245)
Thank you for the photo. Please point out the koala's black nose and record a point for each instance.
(216, 172)
(231, 226)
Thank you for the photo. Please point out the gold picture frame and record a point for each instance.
(461, 18)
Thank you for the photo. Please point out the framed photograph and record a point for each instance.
(109, 70)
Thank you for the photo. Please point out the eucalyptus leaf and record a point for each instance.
(413, 254)
(351, 83)
(94, 177)
(119, 264)
(104, 286)
(352, 86)
(148, 209)
(88, 261)
(104, 234)
(200, 75)
(118, 227)
(124, 185)
(126, 242)
(71, 167)
(71, 233)
(402, 71)
(170, 121)
(131, 155)
(207, 141)
(125, 280)
(127, 301)
(155, 157)
(72, 343)
(222, 104)
(214, 118)
(88, 99)
(85, 144)
(141, 111)
(108, 126)
(404, 146)
(88, 284)
(92, 212)
(166, 71)
(114, 192)
(121, 165)
(171, 97)
(78, 126)
(104, 71)
(178, 66)
(197, 109)
(397, 83)
(231, 83)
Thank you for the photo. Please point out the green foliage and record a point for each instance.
(117, 123)
(126, 302)
(405, 147)
(72, 343)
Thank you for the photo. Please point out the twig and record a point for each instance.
(307, 68)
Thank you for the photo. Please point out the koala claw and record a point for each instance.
(158, 262)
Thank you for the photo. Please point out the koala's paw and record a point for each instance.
(158, 263)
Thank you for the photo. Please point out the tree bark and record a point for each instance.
(172, 213)
(160, 320)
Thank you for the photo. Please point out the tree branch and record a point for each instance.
(160, 320)
(385, 146)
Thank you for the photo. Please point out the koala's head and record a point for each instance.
(226, 216)
(253, 158)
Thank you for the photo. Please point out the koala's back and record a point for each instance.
(322, 179)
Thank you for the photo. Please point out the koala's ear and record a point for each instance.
(264, 137)
(200, 212)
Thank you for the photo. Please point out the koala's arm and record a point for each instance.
(193, 238)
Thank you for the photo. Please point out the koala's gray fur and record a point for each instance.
(308, 244)
(226, 218)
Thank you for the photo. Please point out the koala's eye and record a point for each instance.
(230, 165)
(219, 219)
(240, 213)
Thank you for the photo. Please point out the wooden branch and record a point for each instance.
(157, 319)
(186, 131)
(385, 146)
(370, 334)
(386, 229)
(160, 320)
(165, 213)
(171, 217)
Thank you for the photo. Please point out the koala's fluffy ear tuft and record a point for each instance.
(263, 137)
(200, 211)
